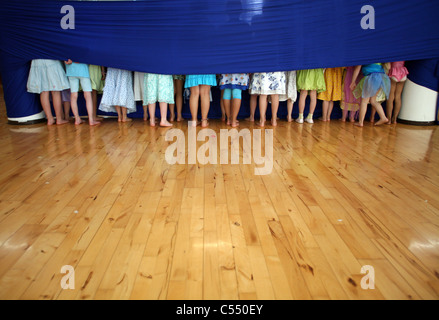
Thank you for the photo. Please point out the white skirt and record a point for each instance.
(268, 83)
(118, 91)
(138, 85)
(291, 88)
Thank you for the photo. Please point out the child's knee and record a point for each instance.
(227, 94)
(236, 93)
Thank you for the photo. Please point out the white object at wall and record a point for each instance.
(418, 104)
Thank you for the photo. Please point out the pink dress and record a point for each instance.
(348, 100)
(398, 72)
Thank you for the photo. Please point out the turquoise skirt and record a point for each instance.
(193, 80)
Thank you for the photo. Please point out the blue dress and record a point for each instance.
(375, 79)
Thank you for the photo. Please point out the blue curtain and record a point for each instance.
(210, 36)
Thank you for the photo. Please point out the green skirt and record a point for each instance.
(311, 79)
(96, 78)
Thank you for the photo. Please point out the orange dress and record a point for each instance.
(334, 82)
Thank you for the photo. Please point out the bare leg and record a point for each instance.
(325, 107)
(312, 106)
(178, 87)
(205, 104)
(352, 116)
(223, 108)
(274, 108)
(193, 103)
(163, 114)
(125, 115)
(253, 103)
(289, 110)
(145, 113)
(45, 103)
(372, 114)
(57, 105)
(363, 109)
(398, 101)
(151, 108)
(313, 103)
(227, 110)
(94, 96)
(88, 96)
(66, 106)
(379, 109)
(262, 109)
(74, 103)
(302, 100)
(119, 113)
(331, 106)
(172, 111)
(344, 114)
(390, 101)
(236, 105)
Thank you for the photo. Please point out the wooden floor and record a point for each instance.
(105, 201)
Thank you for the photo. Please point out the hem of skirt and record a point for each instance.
(39, 91)
(145, 102)
(233, 86)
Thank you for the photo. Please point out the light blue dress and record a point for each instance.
(47, 75)
(158, 88)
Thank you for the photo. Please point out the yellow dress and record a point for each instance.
(334, 82)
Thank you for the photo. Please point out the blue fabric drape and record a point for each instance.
(210, 36)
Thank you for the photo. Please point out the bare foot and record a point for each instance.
(94, 123)
(179, 118)
(78, 122)
(289, 119)
(251, 119)
(381, 121)
(61, 122)
(204, 123)
(343, 120)
(235, 124)
(165, 123)
(261, 123)
(127, 119)
(274, 122)
(357, 124)
(50, 122)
